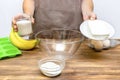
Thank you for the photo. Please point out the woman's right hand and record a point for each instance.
(18, 17)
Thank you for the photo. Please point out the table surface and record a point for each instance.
(86, 64)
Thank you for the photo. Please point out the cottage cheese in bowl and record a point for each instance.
(51, 67)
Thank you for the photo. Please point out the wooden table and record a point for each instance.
(85, 65)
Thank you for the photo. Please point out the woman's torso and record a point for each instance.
(51, 14)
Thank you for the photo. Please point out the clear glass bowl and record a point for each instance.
(59, 42)
(51, 66)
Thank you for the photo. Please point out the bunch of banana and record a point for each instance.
(20, 42)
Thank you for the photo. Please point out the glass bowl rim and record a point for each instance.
(82, 37)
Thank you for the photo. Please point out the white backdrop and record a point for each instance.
(107, 10)
(8, 8)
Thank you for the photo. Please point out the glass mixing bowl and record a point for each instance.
(59, 42)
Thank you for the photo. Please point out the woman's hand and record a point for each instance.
(89, 16)
(87, 10)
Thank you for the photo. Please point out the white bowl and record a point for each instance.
(86, 32)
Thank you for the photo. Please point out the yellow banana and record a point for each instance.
(20, 42)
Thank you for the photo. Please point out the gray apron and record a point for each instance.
(50, 14)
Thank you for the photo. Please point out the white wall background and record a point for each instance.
(107, 10)
(8, 8)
